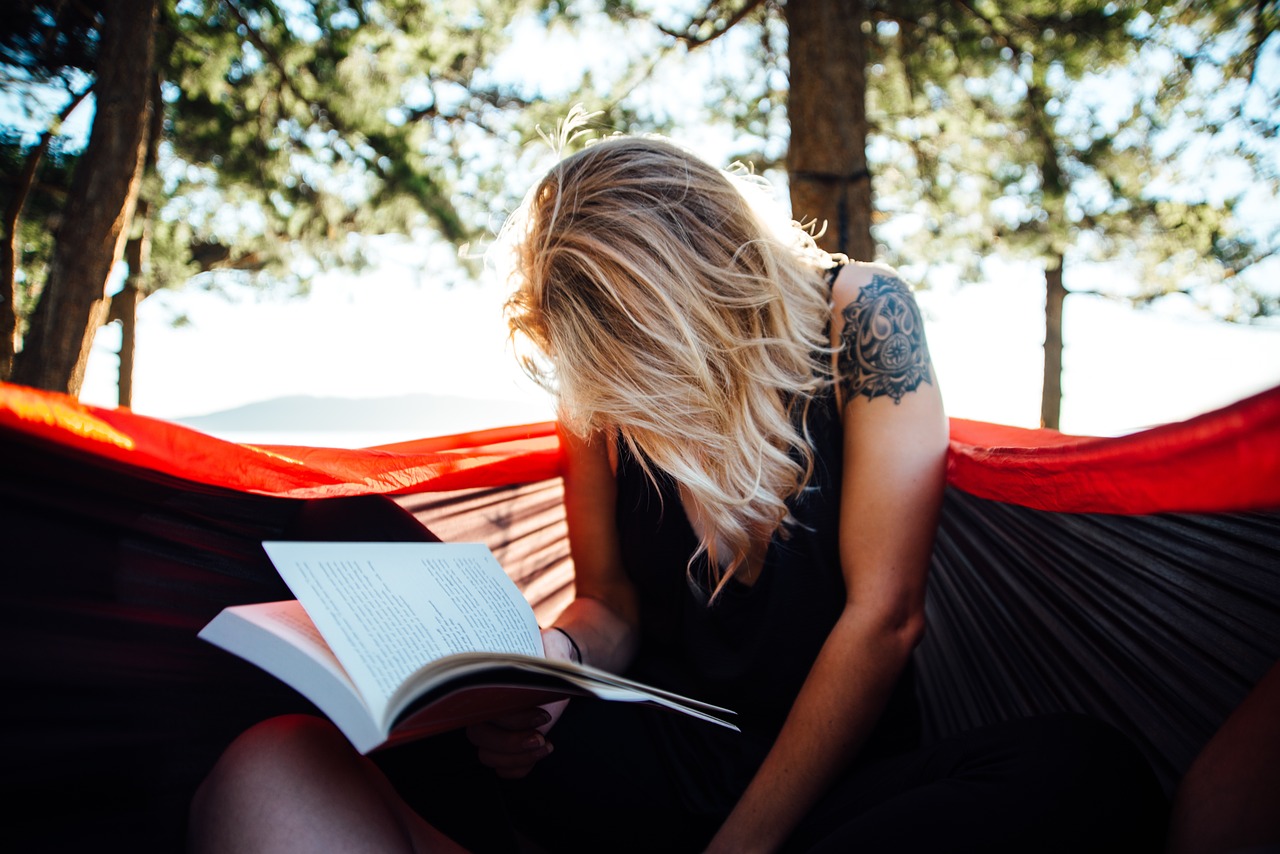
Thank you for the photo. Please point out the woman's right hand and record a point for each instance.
(512, 744)
(602, 618)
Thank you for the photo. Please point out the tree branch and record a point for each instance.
(333, 117)
(273, 58)
(695, 41)
(1053, 175)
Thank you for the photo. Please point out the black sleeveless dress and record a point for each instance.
(751, 649)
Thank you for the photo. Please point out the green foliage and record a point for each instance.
(49, 43)
(1032, 129)
(291, 128)
(1084, 133)
(328, 119)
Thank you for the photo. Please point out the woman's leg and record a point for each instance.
(295, 784)
(1060, 783)
(1229, 799)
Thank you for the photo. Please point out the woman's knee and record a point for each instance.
(270, 757)
(295, 784)
(280, 745)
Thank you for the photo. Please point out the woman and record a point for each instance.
(754, 461)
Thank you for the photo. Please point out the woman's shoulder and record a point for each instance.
(877, 335)
(855, 276)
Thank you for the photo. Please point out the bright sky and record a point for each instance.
(389, 332)
(394, 331)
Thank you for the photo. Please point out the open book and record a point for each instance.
(396, 641)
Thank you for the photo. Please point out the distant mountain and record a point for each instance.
(406, 416)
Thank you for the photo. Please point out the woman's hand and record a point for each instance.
(512, 744)
(602, 618)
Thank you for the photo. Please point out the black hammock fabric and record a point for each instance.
(113, 710)
(1159, 622)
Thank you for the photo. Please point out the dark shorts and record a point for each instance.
(1047, 784)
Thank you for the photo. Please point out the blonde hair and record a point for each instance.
(665, 305)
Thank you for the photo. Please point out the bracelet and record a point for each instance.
(577, 653)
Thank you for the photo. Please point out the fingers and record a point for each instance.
(511, 753)
(553, 712)
(556, 644)
(530, 718)
(511, 745)
(514, 757)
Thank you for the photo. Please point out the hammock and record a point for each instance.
(1136, 579)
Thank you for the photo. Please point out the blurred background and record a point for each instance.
(275, 228)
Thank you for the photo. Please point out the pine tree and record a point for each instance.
(278, 130)
(1068, 154)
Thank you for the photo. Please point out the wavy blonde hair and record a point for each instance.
(665, 304)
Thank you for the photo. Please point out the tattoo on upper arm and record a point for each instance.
(882, 346)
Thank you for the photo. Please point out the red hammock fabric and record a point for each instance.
(495, 457)
(1222, 461)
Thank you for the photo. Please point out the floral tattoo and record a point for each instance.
(882, 346)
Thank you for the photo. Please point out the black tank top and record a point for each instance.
(752, 647)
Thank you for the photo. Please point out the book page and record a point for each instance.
(281, 639)
(289, 622)
(511, 671)
(388, 608)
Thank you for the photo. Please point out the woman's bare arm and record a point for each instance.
(602, 617)
(895, 450)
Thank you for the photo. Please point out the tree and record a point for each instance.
(1022, 184)
(100, 201)
(827, 154)
(1065, 154)
(957, 111)
(824, 96)
(280, 129)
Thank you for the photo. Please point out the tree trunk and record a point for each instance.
(9, 256)
(124, 306)
(1051, 394)
(9, 250)
(827, 110)
(8, 307)
(99, 206)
